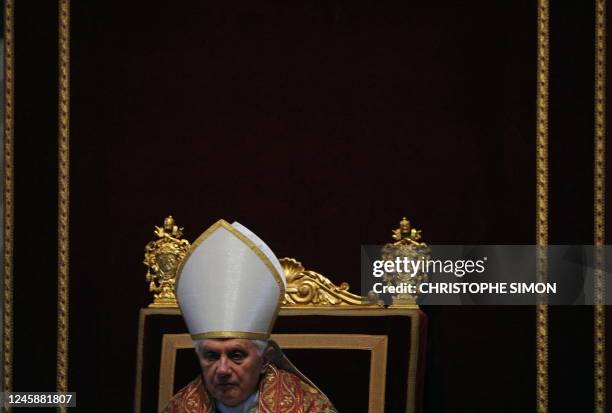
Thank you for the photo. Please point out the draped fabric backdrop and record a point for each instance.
(318, 124)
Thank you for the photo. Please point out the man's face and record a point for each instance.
(231, 369)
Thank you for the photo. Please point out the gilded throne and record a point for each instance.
(378, 350)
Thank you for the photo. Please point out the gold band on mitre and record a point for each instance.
(231, 334)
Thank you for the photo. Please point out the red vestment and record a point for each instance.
(279, 392)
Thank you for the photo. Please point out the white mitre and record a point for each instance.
(230, 284)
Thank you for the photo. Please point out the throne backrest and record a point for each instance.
(365, 357)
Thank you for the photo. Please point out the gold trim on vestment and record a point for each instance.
(252, 246)
(542, 204)
(63, 197)
(231, 334)
(599, 207)
(9, 100)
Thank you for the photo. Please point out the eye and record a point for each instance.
(210, 356)
(237, 355)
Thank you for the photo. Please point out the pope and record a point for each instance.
(230, 287)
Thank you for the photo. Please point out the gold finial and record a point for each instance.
(407, 246)
(162, 257)
(405, 234)
(169, 229)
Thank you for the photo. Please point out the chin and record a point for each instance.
(230, 399)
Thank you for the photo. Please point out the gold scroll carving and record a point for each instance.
(310, 288)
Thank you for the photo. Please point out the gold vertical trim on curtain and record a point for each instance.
(599, 207)
(63, 196)
(9, 87)
(542, 204)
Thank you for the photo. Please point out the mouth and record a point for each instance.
(226, 386)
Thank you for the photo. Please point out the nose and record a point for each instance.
(224, 369)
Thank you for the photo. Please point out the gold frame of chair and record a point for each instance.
(303, 310)
(375, 344)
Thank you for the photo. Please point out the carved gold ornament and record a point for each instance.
(162, 257)
(304, 288)
(406, 245)
(313, 289)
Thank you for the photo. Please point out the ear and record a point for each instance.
(267, 357)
